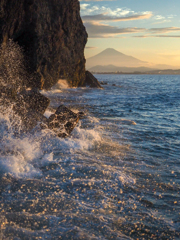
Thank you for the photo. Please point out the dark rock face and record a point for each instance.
(91, 81)
(52, 36)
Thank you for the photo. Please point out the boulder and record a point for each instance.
(30, 106)
(63, 121)
(91, 81)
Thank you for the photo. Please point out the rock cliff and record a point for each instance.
(51, 35)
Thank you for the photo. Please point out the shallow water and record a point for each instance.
(116, 177)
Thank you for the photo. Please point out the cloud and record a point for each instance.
(160, 33)
(102, 13)
(163, 21)
(164, 30)
(168, 36)
(97, 30)
(159, 17)
(100, 22)
(157, 36)
(84, 6)
(171, 16)
(175, 56)
(90, 47)
(104, 17)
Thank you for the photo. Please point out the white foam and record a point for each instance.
(48, 113)
(61, 84)
(18, 167)
(47, 158)
(18, 155)
(23, 156)
(127, 122)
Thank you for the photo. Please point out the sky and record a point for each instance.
(148, 30)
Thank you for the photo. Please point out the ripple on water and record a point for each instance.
(110, 180)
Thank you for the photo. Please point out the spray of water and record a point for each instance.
(12, 67)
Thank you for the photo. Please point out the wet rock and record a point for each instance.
(63, 121)
(103, 83)
(81, 114)
(30, 106)
(91, 81)
(31, 119)
(7, 92)
(7, 96)
(31, 100)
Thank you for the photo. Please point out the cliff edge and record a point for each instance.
(52, 36)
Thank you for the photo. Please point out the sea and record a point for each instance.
(116, 177)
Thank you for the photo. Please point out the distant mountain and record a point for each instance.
(166, 72)
(112, 57)
(112, 68)
(165, 66)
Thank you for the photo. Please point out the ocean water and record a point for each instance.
(116, 177)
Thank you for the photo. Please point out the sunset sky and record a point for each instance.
(148, 30)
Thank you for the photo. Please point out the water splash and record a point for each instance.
(12, 66)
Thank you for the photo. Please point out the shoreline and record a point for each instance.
(132, 73)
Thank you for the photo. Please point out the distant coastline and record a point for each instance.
(154, 72)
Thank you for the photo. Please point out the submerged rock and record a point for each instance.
(52, 36)
(103, 83)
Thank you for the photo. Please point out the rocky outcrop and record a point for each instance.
(30, 105)
(91, 81)
(63, 121)
(51, 35)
